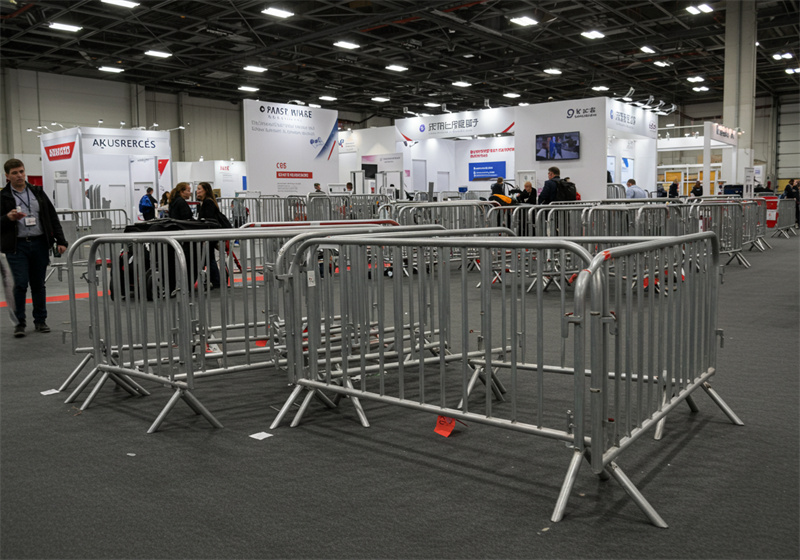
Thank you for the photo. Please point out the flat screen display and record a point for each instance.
(558, 145)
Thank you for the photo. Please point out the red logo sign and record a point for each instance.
(60, 151)
(162, 164)
(295, 175)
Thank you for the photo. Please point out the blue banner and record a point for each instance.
(487, 170)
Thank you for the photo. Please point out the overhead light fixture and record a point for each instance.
(553, 71)
(424, 114)
(65, 27)
(112, 69)
(594, 34)
(315, 106)
(396, 68)
(158, 54)
(524, 21)
(345, 45)
(123, 3)
(121, 124)
(628, 97)
(381, 99)
(429, 104)
(647, 50)
(702, 8)
(283, 14)
(670, 125)
(177, 128)
(258, 69)
(468, 55)
(523, 104)
(700, 88)
(511, 94)
(600, 88)
(327, 98)
(462, 84)
(248, 88)
(661, 63)
(778, 56)
(696, 79)
(792, 70)
(99, 121)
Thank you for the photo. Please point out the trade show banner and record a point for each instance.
(288, 148)
(61, 168)
(449, 125)
(629, 118)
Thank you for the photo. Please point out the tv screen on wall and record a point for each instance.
(558, 145)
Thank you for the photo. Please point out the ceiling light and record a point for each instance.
(593, 34)
(327, 98)
(647, 50)
(158, 54)
(628, 96)
(255, 69)
(113, 69)
(396, 68)
(123, 3)
(692, 10)
(793, 70)
(523, 104)
(314, 106)
(381, 99)
(524, 21)
(510, 94)
(248, 88)
(600, 88)
(661, 63)
(345, 45)
(700, 88)
(705, 8)
(424, 115)
(696, 79)
(468, 55)
(670, 124)
(65, 27)
(554, 71)
(429, 104)
(283, 14)
(462, 84)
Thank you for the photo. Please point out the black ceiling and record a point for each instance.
(440, 42)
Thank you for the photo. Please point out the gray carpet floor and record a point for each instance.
(93, 484)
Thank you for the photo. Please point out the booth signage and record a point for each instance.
(486, 121)
(60, 151)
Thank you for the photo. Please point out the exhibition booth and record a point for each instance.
(95, 168)
(227, 178)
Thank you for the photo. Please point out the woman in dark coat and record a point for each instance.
(209, 211)
(178, 207)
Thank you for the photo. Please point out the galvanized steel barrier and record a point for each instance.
(646, 308)
(726, 219)
(786, 218)
(452, 215)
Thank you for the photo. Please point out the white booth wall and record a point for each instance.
(229, 177)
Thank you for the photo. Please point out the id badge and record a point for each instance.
(30, 221)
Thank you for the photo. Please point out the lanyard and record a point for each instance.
(28, 193)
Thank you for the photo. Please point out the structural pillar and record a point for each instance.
(738, 105)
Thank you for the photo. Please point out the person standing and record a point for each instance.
(317, 188)
(147, 205)
(209, 210)
(178, 207)
(697, 189)
(673, 190)
(634, 190)
(550, 188)
(29, 226)
(499, 187)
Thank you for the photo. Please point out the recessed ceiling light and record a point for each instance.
(511, 95)
(248, 88)
(647, 50)
(696, 79)
(594, 34)
(327, 98)
(554, 71)
(524, 21)
(700, 88)
(345, 45)
(468, 55)
(65, 27)
(255, 69)
(396, 68)
(158, 54)
(432, 104)
(523, 104)
(705, 8)
(692, 10)
(600, 88)
(283, 14)
(123, 3)
(792, 70)
(661, 63)
(111, 69)
(462, 84)
(381, 99)
(314, 105)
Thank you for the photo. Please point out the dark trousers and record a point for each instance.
(29, 266)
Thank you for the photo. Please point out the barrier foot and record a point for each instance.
(75, 373)
(197, 406)
(81, 386)
(95, 390)
(124, 383)
(285, 408)
(163, 414)
(566, 487)
(692, 405)
(720, 403)
(471, 385)
(763, 242)
(637, 496)
(357, 404)
(303, 407)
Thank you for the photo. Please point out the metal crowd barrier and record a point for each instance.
(726, 219)
(154, 316)
(78, 224)
(241, 209)
(761, 225)
(615, 190)
(477, 195)
(452, 215)
(646, 308)
(786, 218)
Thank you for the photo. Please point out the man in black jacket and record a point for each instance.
(29, 226)
(550, 188)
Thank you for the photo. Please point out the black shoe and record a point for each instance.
(19, 331)
(42, 327)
